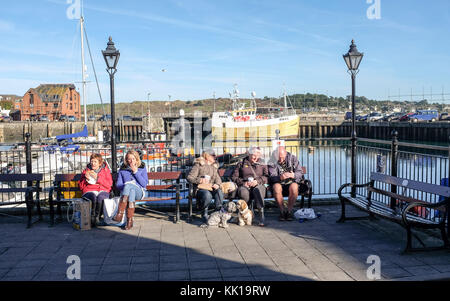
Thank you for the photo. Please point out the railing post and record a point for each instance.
(448, 207)
(28, 156)
(394, 156)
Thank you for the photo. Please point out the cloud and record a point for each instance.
(6, 27)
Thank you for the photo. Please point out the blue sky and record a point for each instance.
(206, 46)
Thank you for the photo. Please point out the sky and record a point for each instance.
(207, 46)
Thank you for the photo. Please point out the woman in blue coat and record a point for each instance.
(131, 182)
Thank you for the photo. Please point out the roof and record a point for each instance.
(52, 92)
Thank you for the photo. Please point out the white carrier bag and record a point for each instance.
(110, 207)
(305, 213)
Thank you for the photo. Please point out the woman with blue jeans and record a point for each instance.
(205, 171)
(131, 182)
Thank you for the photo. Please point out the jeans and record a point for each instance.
(133, 192)
(97, 201)
(204, 198)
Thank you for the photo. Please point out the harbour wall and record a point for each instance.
(436, 132)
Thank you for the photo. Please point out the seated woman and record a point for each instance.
(250, 176)
(205, 171)
(132, 181)
(96, 183)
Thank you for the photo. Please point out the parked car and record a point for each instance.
(362, 117)
(71, 118)
(92, 118)
(406, 117)
(43, 118)
(126, 118)
(106, 117)
(444, 116)
(5, 118)
(375, 116)
(63, 118)
(137, 118)
(348, 116)
(425, 115)
(393, 116)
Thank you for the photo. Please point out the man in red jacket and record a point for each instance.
(96, 183)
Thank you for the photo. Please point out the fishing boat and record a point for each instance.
(243, 122)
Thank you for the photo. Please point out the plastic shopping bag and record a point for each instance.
(305, 213)
(110, 207)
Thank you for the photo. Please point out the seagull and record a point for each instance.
(163, 70)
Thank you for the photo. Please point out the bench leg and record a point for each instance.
(190, 209)
(38, 206)
(409, 240)
(177, 213)
(58, 208)
(444, 236)
(302, 202)
(52, 211)
(342, 219)
(309, 199)
(29, 203)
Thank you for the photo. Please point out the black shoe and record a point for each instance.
(282, 217)
(289, 216)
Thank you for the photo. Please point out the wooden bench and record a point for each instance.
(406, 210)
(11, 180)
(305, 190)
(171, 184)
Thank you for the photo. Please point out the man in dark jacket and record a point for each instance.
(250, 176)
(284, 174)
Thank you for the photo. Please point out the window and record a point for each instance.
(71, 106)
(55, 105)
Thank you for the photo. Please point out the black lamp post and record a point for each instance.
(111, 55)
(353, 59)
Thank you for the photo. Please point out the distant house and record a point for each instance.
(52, 100)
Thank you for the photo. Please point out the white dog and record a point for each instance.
(220, 218)
(245, 215)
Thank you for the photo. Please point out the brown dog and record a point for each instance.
(245, 215)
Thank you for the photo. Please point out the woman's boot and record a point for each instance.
(121, 210)
(130, 214)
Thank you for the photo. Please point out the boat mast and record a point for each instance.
(83, 66)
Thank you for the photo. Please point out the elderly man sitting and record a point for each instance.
(284, 174)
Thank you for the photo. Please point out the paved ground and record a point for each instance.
(157, 249)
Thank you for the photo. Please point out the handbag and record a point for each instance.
(110, 207)
(205, 187)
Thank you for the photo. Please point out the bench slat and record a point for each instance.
(411, 184)
(156, 199)
(67, 177)
(165, 175)
(159, 187)
(21, 177)
(379, 208)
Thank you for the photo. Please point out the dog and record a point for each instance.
(228, 187)
(220, 218)
(245, 215)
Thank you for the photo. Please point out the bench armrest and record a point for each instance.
(444, 203)
(351, 185)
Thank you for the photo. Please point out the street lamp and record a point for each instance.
(353, 59)
(111, 56)
(170, 106)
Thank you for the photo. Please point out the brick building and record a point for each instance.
(51, 100)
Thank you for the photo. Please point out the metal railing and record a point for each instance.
(327, 160)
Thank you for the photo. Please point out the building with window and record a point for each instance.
(51, 100)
